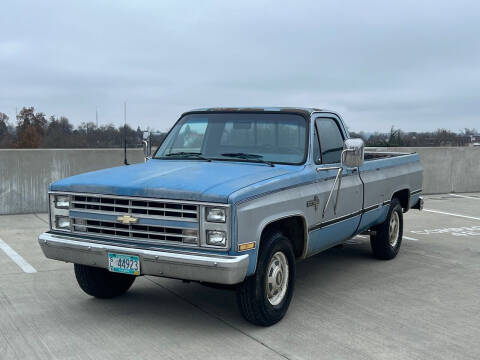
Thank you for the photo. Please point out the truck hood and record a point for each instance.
(174, 179)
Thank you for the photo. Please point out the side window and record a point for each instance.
(331, 140)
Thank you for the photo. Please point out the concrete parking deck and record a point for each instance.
(424, 304)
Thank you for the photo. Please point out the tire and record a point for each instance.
(258, 305)
(102, 283)
(387, 237)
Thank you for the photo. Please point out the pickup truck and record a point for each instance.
(232, 196)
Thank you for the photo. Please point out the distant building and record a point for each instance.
(475, 138)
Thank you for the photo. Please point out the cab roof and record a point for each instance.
(296, 110)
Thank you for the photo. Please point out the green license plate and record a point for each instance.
(125, 264)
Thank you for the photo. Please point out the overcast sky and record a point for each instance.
(411, 64)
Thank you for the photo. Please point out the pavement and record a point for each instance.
(424, 304)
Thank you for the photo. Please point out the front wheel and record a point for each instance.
(102, 283)
(387, 237)
(264, 297)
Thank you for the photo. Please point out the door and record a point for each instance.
(338, 220)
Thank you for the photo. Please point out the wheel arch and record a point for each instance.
(293, 226)
(403, 196)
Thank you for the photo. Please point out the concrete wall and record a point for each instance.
(447, 169)
(26, 174)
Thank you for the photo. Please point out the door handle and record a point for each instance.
(327, 168)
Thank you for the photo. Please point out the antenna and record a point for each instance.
(96, 116)
(125, 133)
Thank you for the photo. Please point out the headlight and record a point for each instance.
(215, 227)
(62, 222)
(216, 238)
(59, 212)
(215, 214)
(62, 201)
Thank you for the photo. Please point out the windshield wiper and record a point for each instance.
(247, 156)
(185, 154)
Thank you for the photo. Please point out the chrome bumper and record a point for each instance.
(221, 269)
(419, 204)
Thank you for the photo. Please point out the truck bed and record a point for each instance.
(385, 174)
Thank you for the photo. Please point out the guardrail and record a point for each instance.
(26, 173)
(446, 169)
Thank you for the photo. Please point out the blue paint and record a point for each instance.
(168, 223)
(372, 218)
(174, 179)
(252, 258)
(328, 236)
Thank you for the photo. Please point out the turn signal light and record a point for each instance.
(246, 246)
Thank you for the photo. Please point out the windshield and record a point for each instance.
(269, 138)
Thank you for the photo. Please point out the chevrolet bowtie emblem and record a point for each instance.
(127, 219)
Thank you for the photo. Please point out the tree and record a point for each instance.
(3, 125)
(31, 127)
(7, 139)
(58, 133)
(33, 130)
(377, 140)
(360, 135)
(395, 138)
(139, 133)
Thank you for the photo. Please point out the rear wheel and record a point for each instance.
(264, 297)
(387, 237)
(102, 283)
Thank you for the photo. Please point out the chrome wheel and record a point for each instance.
(277, 278)
(394, 229)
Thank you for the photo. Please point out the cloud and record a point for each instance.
(414, 65)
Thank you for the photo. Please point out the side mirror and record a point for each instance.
(353, 152)
(147, 144)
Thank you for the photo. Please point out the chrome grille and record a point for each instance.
(145, 208)
(173, 234)
(137, 232)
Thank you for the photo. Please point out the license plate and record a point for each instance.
(125, 264)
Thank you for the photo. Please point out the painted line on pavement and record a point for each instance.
(452, 214)
(465, 196)
(404, 237)
(20, 261)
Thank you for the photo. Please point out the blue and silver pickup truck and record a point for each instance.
(233, 196)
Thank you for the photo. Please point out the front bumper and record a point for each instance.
(221, 269)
